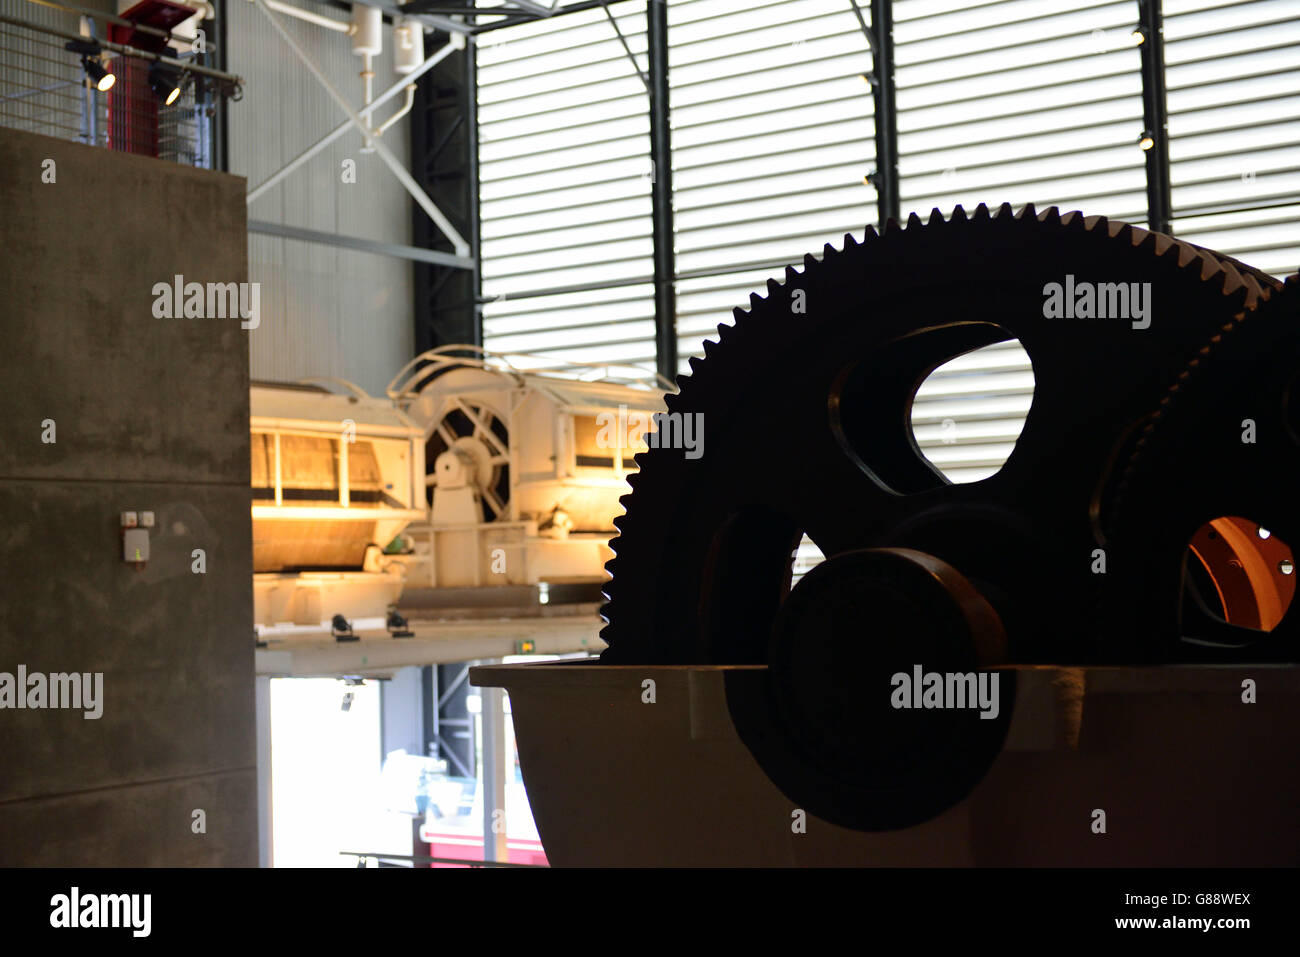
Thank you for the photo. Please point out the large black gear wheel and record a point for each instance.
(1224, 441)
(807, 430)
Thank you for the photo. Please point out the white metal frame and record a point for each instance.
(461, 246)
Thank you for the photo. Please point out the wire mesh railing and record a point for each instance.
(61, 80)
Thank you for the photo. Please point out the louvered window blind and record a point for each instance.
(565, 189)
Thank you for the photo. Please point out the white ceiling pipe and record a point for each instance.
(300, 14)
(367, 43)
(406, 108)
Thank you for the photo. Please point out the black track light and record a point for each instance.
(90, 52)
(166, 83)
(102, 79)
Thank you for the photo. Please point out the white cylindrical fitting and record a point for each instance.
(408, 45)
(368, 30)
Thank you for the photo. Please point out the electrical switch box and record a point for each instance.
(135, 545)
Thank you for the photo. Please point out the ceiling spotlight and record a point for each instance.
(1146, 141)
(166, 83)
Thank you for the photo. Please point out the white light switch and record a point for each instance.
(135, 545)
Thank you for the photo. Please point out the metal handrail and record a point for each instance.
(111, 18)
(126, 49)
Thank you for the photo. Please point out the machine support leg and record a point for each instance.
(494, 774)
(262, 697)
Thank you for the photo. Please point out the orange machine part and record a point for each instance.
(1245, 570)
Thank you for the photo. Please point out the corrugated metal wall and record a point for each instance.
(772, 136)
(565, 187)
(1234, 127)
(325, 311)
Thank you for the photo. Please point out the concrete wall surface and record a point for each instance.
(111, 409)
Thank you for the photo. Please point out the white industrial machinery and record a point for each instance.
(525, 466)
(471, 474)
(335, 477)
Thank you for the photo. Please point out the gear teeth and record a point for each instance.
(849, 242)
(981, 214)
(936, 216)
(1005, 211)
(809, 260)
(1232, 279)
(958, 214)
(1027, 212)
(1074, 220)
(1211, 268)
(1163, 243)
(869, 234)
(790, 274)
(710, 347)
(1051, 216)
(914, 221)
(773, 287)
(673, 401)
(892, 226)
(755, 301)
(696, 363)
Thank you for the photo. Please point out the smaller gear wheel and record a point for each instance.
(1221, 450)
